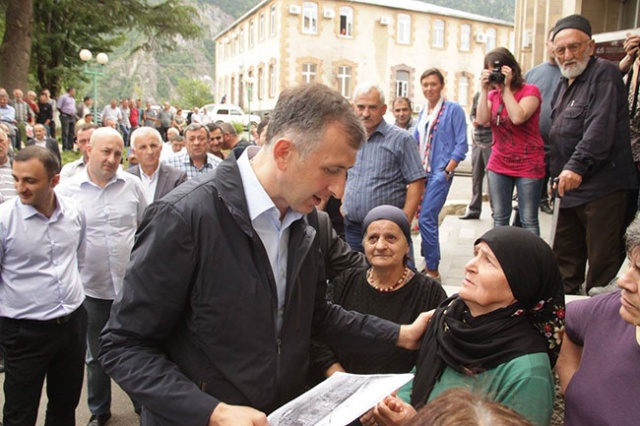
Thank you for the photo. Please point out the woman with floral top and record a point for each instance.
(499, 336)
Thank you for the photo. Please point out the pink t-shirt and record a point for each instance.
(518, 151)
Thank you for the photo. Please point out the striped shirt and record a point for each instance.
(385, 165)
(7, 187)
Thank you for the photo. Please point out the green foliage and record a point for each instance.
(234, 8)
(238, 126)
(69, 156)
(63, 27)
(498, 9)
(192, 93)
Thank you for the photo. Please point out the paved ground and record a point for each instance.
(456, 243)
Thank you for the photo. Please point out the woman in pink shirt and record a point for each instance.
(512, 108)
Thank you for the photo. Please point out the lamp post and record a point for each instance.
(94, 71)
(249, 84)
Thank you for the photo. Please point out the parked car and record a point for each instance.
(230, 113)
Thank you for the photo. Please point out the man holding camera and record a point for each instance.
(591, 157)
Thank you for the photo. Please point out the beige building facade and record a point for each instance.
(279, 44)
(610, 20)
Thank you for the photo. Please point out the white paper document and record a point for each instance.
(339, 400)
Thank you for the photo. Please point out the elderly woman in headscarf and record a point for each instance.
(499, 336)
(388, 289)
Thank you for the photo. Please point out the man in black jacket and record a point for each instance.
(225, 287)
(591, 157)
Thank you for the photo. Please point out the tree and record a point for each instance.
(193, 93)
(15, 49)
(62, 27)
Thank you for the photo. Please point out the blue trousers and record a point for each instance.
(501, 190)
(435, 194)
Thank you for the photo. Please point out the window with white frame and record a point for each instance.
(272, 22)
(309, 70)
(344, 80)
(463, 90)
(261, 83)
(272, 80)
(404, 29)
(241, 39)
(346, 22)
(402, 83)
(309, 18)
(465, 37)
(261, 26)
(438, 33)
(491, 39)
(251, 40)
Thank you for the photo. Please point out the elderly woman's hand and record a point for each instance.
(411, 335)
(392, 411)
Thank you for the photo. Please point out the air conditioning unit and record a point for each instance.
(294, 9)
(385, 20)
(328, 14)
(481, 38)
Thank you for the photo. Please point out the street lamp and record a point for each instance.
(94, 71)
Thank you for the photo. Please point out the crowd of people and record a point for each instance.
(208, 282)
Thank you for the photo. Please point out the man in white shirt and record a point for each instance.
(42, 320)
(83, 135)
(113, 202)
(40, 139)
(157, 178)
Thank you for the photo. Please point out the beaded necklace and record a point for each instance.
(386, 289)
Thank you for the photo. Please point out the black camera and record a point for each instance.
(496, 76)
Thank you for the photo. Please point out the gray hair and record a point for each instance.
(194, 127)
(632, 235)
(40, 126)
(364, 88)
(144, 131)
(228, 128)
(304, 112)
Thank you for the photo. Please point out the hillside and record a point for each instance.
(154, 75)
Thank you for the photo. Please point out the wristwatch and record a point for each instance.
(449, 173)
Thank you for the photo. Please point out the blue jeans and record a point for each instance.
(98, 382)
(501, 190)
(435, 195)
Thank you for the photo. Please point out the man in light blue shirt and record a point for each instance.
(42, 321)
(113, 201)
(387, 170)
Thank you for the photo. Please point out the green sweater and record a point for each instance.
(524, 384)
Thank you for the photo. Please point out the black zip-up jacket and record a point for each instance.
(590, 133)
(195, 323)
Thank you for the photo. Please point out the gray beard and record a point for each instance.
(575, 70)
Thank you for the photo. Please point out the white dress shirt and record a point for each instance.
(113, 214)
(265, 218)
(149, 183)
(39, 257)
